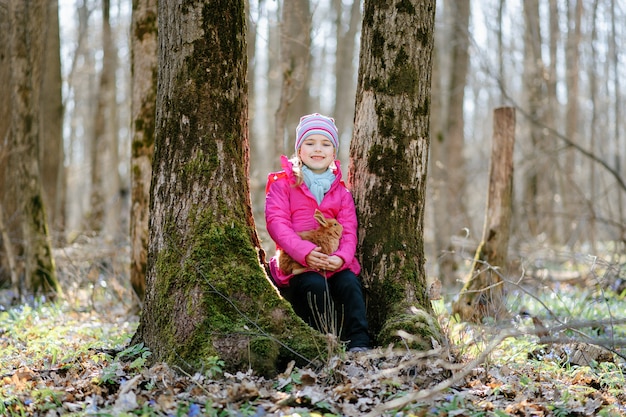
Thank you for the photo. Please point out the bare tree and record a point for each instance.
(345, 69)
(448, 166)
(570, 190)
(144, 89)
(534, 88)
(295, 56)
(105, 179)
(389, 155)
(51, 153)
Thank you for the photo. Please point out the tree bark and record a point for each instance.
(51, 155)
(207, 293)
(144, 48)
(27, 44)
(389, 154)
(482, 295)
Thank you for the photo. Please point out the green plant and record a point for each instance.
(214, 367)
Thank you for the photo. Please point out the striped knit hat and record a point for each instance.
(313, 124)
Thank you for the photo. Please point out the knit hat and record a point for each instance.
(317, 124)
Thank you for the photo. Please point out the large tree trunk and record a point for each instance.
(28, 25)
(482, 295)
(389, 155)
(207, 293)
(144, 89)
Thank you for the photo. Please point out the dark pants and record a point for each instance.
(343, 312)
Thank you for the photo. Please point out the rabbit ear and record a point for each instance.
(320, 217)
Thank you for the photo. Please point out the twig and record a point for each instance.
(399, 403)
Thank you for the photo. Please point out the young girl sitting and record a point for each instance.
(327, 295)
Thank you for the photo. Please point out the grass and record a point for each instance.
(73, 358)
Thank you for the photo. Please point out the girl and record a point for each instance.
(327, 295)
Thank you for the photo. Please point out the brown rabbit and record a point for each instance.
(326, 236)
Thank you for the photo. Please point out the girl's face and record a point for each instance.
(317, 152)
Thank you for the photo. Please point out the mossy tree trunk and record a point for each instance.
(389, 154)
(482, 294)
(206, 292)
(144, 47)
(28, 23)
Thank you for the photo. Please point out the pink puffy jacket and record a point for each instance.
(289, 209)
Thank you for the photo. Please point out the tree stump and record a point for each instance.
(482, 294)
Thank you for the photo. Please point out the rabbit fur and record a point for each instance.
(326, 236)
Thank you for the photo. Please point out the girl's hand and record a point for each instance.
(334, 263)
(316, 259)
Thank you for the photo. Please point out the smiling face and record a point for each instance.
(317, 152)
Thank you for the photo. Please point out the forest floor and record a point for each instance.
(564, 356)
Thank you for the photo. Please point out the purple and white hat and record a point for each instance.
(317, 124)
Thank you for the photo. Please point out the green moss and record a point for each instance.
(405, 6)
(234, 290)
(403, 80)
(421, 326)
(378, 46)
(264, 352)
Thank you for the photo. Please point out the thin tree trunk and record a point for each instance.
(82, 90)
(295, 45)
(144, 47)
(5, 127)
(454, 136)
(104, 172)
(533, 85)
(389, 156)
(572, 58)
(51, 151)
(449, 167)
(437, 160)
(345, 79)
(482, 295)
(111, 176)
(594, 123)
(620, 143)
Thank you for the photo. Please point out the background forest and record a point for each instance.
(556, 62)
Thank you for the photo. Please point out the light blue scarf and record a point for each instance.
(318, 184)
